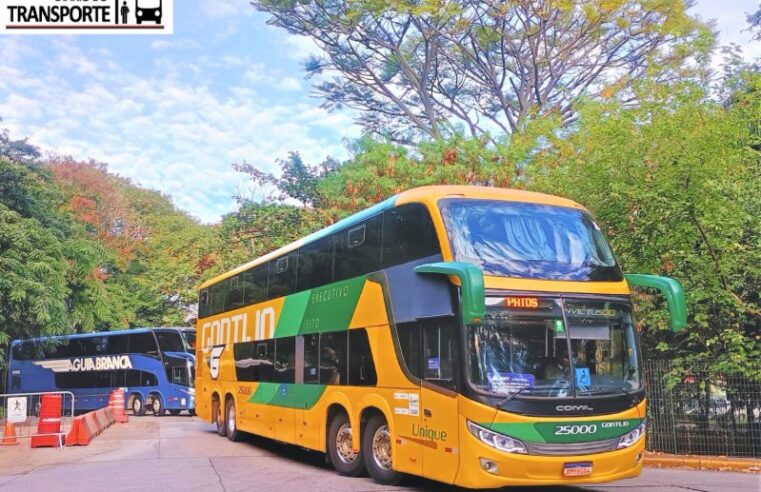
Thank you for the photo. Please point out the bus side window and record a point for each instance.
(285, 360)
(440, 352)
(132, 377)
(265, 358)
(234, 292)
(408, 234)
(143, 343)
(316, 264)
(282, 275)
(358, 249)
(361, 364)
(410, 342)
(203, 304)
(255, 285)
(311, 358)
(218, 295)
(117, 344)
(333, 357)
(147, 378)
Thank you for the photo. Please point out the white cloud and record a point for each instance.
(164, 44)
(289, 84)
(299, 47)
(730, 18)
(163, 130)
(217, 9)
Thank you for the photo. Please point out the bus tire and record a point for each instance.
(138, 408)
(219, 419)
(231, 424)
(344, 459)
(376, 448)
(157, 405)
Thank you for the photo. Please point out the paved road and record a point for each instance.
(183, 453)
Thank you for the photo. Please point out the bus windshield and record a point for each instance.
(528, 240)
(524, 345)
(190, 340)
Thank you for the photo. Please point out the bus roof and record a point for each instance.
(423, 194)
(104, 333)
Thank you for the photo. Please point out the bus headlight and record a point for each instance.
(632, 436)
(139, 13)
(496, 440)
(158, 13)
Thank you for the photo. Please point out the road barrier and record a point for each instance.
(116, 402)
(49, 424)
(85, 427)
(42, 417)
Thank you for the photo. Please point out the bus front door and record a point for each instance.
(438, 401)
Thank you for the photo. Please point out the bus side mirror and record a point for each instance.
(471, 286)
(671, 289)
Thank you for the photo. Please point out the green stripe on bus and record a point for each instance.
(287, 395)
(322, 309)
(331, 308)
(292, 314)
(566, 432)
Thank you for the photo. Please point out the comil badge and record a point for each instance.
(86, 16)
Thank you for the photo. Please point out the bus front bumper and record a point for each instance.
(484, 467)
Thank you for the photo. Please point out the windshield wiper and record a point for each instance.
(511, 396)
(602, 391)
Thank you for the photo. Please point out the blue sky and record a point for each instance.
(174, 112)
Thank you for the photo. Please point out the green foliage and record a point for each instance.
(674, 181)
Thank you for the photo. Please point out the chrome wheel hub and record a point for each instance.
(382, 447)
(231, 419)
(343, 444)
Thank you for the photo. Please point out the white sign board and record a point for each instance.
(17, 409)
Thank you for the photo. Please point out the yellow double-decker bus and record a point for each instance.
(476, 336)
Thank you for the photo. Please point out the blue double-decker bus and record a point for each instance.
(155, 365)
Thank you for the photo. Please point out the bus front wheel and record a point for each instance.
(376, 448)
(137, 406)
(345, 460)
(233, 433)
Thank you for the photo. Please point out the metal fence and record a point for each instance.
(22, 410)
(691, 411)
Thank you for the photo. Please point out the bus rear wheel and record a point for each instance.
(233, 433)
(157, 405)
(345, 460)
(376, 448)
(138, 409)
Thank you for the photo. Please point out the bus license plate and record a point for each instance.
(577, 469)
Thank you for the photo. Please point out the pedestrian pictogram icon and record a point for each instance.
(17, 409)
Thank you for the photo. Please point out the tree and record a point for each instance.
(297, 180)
(432, 68)
(754, 20)
(675, 183)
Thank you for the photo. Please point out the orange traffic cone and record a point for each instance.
(9, 437)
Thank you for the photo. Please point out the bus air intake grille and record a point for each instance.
(577, 448)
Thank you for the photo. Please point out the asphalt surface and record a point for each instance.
(183, 453)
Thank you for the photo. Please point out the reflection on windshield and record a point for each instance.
(527, 349)
(515, 350)
(528, 240)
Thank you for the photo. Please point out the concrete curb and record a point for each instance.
(722, 463)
